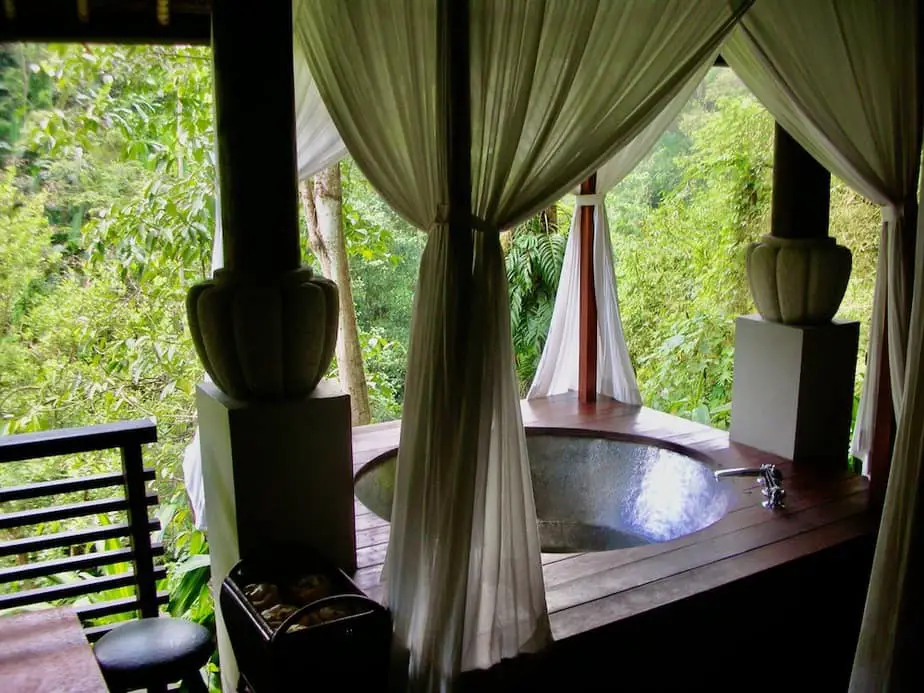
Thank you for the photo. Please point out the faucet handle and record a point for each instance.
(775, 497)
(771, 479)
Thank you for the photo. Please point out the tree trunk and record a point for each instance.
(322, 200)
(549, 218)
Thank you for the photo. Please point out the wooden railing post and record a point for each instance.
(140, 536)
(587, 351)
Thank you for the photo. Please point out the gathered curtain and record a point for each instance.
(842, 78)
(556, 88)
(558, 370)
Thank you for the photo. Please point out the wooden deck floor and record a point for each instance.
(590, 590)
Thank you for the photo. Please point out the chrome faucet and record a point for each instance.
(768, 476)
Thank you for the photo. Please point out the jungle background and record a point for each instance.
(107, 213)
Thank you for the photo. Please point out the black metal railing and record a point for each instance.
(124, 534)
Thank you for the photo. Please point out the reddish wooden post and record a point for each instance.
(587, 360)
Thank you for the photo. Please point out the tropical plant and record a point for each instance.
(534, 254)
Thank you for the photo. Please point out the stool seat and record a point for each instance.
(152, 652)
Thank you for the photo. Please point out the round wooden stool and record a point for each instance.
(153, 652)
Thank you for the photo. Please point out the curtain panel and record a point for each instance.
(556, 89)
(842, 78)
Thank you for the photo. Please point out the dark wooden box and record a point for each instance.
(347, 653)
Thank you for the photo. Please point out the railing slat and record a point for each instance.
(62, 565)
(136, 495)
(41, 542)
(94, 633)
(73, 589)
(87, 612)
(52, 488)
(67, 441)
(71, 510)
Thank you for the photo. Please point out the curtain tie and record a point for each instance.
(589, 200)
(892, 213)
(444, 216)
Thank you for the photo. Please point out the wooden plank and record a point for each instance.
(372, 537)
(816, 500)
(87, 612)
(43, 651)
(586, 565)
(369, 521)
(370, 556)
(587, 349)
(23, 518)
(94, 633)
(86, 561)
(372, 533)
(73, 589)
(587, 589)
(41, 542)
(45, 21)
(59, 486)
(142, 550)
(601, 612)
(68, 441)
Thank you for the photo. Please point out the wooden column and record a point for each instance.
(801, 191)
(255, 128)
(587, 359)
(454, 44)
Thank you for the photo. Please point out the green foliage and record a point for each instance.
(680, 264)
(384, 253)
(107, 219)
(533, 261)
(681, 274)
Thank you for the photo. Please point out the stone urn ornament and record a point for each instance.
(798, 281)
(798, 274)
(264, 336)
(265, 326)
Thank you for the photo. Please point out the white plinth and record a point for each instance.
(793, 389)
(275, 472)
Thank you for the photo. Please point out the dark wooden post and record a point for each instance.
(255, 126)
(139, 531)
(801, 191)
(587, 360)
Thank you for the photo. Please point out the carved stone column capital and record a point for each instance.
(264, 336)
(798, 281)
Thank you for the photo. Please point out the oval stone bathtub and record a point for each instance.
(595, 493)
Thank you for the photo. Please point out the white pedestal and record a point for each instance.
(793, 389)
(275, 472)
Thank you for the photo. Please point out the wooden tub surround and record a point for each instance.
(758, 594)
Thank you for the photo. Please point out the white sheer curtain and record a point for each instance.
(556, 88)
(888, 656)
(319, 145)
(842, 78)
(558, 367)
